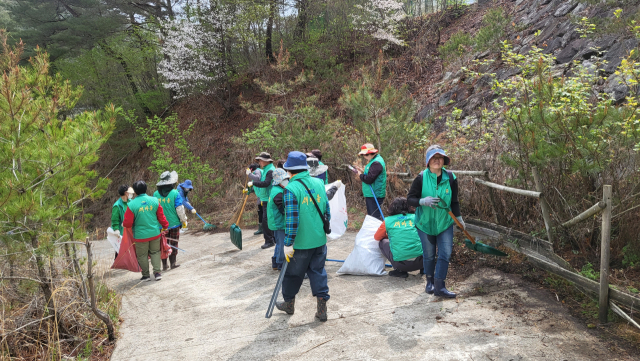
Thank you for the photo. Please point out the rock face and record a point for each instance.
(551, 26)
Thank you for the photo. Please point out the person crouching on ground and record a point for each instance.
(305, 243)
(276, 215)
(399, 240)
(433, 192)
(146, 218)
(263, 189)
(118, 209)
(173, 208)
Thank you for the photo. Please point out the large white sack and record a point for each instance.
(339, 215)
(114, 239)
(366, 257)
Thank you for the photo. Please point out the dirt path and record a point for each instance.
(213, 307)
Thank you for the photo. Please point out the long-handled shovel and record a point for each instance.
(471, 242)
(234, 230)
(276, 290)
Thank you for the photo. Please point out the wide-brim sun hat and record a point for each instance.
(130, 191)
(187, 184)
(168, 178)
(315, 169)
(264, 156)
(436, 149)
(296, 161)
(278, 176)
(367, 149)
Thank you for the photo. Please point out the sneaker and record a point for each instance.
(267, 245)
(396, 273)
(157, 276)
(145, 278)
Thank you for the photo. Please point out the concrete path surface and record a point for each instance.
(213, 308)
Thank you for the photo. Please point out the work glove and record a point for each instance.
(117, 231)
(163, 230)
(337, 184)
(193, 211)
(245, 191)
(248, 171)
(429, 202)
(250, 184)
(184, 224)
(288, 252)
(464, 226)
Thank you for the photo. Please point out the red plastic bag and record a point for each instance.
(165, 250)
(127, 256)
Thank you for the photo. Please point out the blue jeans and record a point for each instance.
(444, 241)
(278, 252)
(309, 261)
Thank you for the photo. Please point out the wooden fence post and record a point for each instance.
(605, 248)
(546, 211)
(492, 199)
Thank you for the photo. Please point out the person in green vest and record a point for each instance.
(263, 189)
(174, 211)
(316, 153)
(433, 192)
(374, 176)
(118, 209)
(399, 240)
(254, 174)
(276, 215)
(305, 242)
(146, 218)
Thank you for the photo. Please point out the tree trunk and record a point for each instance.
(268, 42)
(100, 314)
(301, 26)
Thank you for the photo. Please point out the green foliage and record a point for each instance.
(631, 257)
(46, 155)
(457, 45)
(493, 29)
(589, 272)
(158, 133)
(383, 113)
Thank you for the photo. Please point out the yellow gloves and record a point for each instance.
(184, 224)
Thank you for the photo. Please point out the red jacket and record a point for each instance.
(129, 218)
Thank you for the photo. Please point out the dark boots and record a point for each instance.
(321, 313)
(430, 288)
(274, 265)
(165, 267)
(287, 307)
(259, 231)
(441, 290)
(173, 256)
(396, 273)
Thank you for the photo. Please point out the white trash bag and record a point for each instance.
(114, 239)
(366, 258)
(339, 216)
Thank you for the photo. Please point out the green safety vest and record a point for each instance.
(145, 223)
(275, 218)
(326, 174)
(435, 221)
(310, 228)
(403, 237)
(263, 193)
(121, 209)
(380, 184)
(168, 204)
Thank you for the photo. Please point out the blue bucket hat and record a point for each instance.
(296, 161)
(278, 176)
(436, 149)
(186, 184)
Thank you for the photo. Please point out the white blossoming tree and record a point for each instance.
(380, 19)
(193, 59)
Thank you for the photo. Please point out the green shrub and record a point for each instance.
(589, 272)
(631, 257)
(458, 44)
(493, 30)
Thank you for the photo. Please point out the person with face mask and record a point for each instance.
(184, 188)
(263, 189)
(276, 215)
(118, 209)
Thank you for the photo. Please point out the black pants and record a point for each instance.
(259, 211)
(268, 234)
(404, 266)
(372, 207)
